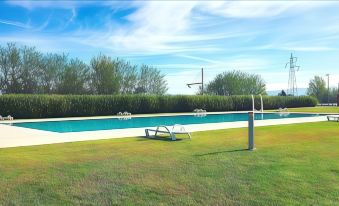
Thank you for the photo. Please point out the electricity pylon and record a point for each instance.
(292, 80)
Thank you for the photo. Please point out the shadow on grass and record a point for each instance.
(220, 152)
(160, 138)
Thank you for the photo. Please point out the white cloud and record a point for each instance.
(43, 44)
(160, 27)
(257, 9)
(15, 23)
(30, 4)
(309, 48)
(167, 26)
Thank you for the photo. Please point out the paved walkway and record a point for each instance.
(11, 136)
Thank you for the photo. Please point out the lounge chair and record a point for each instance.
(176, 129)
(9, 117)
(199, 111)
(333, 118)
(125, 113)
(282, 109)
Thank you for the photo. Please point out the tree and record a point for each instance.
(129, 75)
(317, 88)
(333, 95)
(25, 70)
(4, 70)
(151, 81)
(29, 69)
(10, 63)
(50, 70)
(105, 76)
(74, 78)
(282, 93)
(236, 83)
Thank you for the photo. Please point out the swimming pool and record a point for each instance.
(139, 122)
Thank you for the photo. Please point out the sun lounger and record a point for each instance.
(282, 109)
(176, 129)
(333, 118)
(9, 117)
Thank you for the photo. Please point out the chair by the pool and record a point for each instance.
(176, 129)
(9, 117)
(333, 118)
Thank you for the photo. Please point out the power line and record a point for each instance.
(328, 88)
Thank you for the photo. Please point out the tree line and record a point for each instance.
(317, 88)
(236, 83)
(26, 70)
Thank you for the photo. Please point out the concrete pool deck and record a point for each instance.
(12, 136)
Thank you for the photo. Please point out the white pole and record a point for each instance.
(253, 108)
(262, 104)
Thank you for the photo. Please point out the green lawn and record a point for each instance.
(315, 109)
(293, 165)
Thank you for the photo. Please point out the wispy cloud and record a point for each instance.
(15, 23)
(33, 4)
(309, 48)
(153, 29)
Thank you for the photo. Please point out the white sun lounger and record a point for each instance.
(176, 129)
(9, 117)
(333, 118)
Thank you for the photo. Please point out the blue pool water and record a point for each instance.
(137, 122)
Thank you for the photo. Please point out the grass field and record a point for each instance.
(315, 109)
(293, 165)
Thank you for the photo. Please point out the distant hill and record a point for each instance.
(301, 91)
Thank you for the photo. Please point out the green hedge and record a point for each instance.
(44, 106)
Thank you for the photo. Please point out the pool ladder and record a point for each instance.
(261, 104)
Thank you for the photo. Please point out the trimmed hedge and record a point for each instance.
(44, 106)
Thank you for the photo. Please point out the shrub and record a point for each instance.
(45, 106)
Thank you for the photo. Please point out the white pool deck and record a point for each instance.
(12, 136)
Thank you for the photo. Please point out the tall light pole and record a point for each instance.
(328, 89)
(201, 83)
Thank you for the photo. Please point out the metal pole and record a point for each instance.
(262, 104)
(338, 96)
(292, 71)
(253, 106)
(202, 81)
(251, 131)
(328, 89)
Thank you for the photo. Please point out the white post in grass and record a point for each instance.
(251, 131)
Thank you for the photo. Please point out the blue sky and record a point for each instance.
(181, 37)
